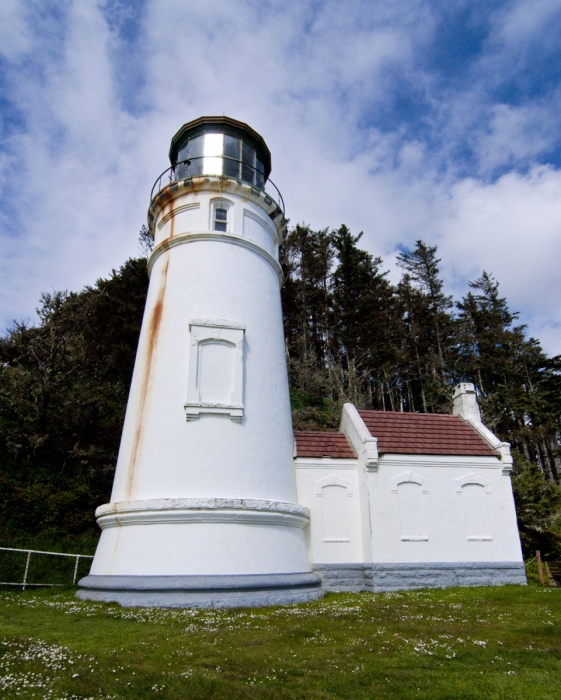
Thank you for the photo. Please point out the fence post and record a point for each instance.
(76, 569)
(540, 568)
(26, 570)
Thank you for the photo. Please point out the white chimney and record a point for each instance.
(465, 402)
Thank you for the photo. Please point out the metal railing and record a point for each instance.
(186, 169)
(25, 583)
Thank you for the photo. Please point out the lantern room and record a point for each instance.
(220, 146)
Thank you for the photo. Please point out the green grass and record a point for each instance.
(446, 644)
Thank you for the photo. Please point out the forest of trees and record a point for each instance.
(351, 335)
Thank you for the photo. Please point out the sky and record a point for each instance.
(404, 119)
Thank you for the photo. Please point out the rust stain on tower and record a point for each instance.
(152, 340)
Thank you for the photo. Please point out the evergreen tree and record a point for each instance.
(63, 391)
(306, 258)
(516, 381)
(428, 345)
(538, 509)
(362, 309)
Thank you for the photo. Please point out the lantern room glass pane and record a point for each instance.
(248, 154)
(195, 147)
(232, 153)
(192, 151)
(183, 151)
(248, 160)
(259, 174)
(214, 145)
(213, 151)
(232, 147)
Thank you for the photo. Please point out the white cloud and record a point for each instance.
(512, 228)
(14, 35)
(70, 181)
(524, 22)
(515, 133)
(308, 76)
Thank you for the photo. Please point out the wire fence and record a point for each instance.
(32, 568)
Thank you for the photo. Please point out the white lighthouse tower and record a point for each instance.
(203, 510)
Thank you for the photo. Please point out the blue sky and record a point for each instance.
(406, 120)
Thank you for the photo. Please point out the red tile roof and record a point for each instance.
(424, 434)
(313, 444)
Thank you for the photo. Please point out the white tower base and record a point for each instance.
(206, 536)
(241, 591)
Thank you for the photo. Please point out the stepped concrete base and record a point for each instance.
(396, 577)
(255, 590)
(351, 578)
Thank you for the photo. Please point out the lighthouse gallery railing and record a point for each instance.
(186, 169)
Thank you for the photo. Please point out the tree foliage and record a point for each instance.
(63, 391)
(351, 335)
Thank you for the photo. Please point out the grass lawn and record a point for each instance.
(454, 643)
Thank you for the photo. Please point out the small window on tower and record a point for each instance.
(220, 219)
(221, 215)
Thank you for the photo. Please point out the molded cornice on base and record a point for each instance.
(251, 590)
(202, 510)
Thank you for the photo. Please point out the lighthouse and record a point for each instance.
(204, 510)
